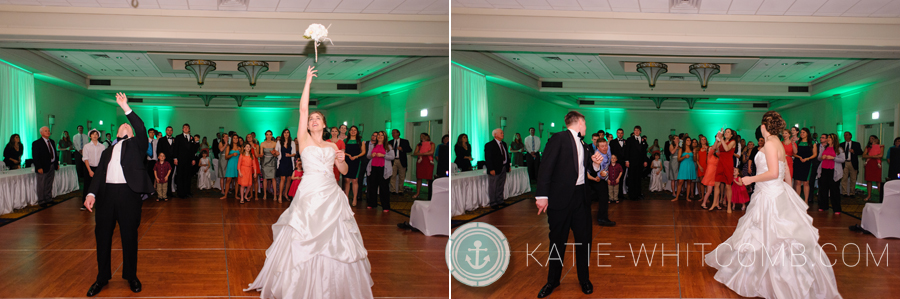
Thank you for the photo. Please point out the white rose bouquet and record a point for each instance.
(318, 33)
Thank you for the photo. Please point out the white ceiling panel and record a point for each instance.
(847, 8)
(319, 6)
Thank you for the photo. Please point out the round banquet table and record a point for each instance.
(17, 187)
(470, 189)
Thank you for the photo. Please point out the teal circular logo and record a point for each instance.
(477, 254)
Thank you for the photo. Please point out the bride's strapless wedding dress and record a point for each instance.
(317, 250)
(752, 263)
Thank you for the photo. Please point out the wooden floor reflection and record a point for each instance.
(198, 248)
(661, 222)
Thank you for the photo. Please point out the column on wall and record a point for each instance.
(17, 104)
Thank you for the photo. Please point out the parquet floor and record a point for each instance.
(198, 248)
(661, 222)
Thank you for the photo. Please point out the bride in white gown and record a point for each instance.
(317, 250)
(774, 252)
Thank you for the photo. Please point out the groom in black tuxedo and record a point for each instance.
(562, 192)
(118, 189)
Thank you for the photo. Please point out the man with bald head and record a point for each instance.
(497, 162)
(43, 153)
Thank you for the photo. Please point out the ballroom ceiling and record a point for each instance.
(164, 64)
(831, 8)
(430, 7)
(619, 67)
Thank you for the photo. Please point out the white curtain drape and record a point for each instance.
(17, 107)
(470, 109)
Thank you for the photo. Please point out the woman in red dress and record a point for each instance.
(254, 149)
(790, 148)
(700, 151)
(425, 157)
(725, 169)
(874, 152)
(335, 138)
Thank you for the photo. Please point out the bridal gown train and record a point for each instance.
(317, 250)
(776, 218)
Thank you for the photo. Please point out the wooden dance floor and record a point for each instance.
(198, 248)
(661, 222)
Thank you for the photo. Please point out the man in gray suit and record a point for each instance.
(44, 153)
(496, 160)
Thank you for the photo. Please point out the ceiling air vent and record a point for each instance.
(313, 102)
(676, 78)
(552, 58)
(100, 56)
(551, 84)
(346, 86)
(798, 88)
(351, 60)
(586, 103)
(760, 105)
(101, 82)
(226, 76)
(803, 63)
(135, 100)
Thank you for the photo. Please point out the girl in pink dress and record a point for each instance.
(298, 175)
(739, 192)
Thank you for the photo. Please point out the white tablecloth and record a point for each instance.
(17, 187)
(470, 188)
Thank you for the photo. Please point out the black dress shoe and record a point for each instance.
(606, 223)
(546, 290)
(95, 289)
(587, 287)
(135, 285)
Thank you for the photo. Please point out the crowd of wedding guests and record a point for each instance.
(247, 168)
(706, 168)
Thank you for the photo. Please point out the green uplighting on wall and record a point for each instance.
(16, 66)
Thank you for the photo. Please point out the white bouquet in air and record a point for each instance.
(319, 34)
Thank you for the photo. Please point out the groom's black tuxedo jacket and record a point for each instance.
(133, 157)
(559, 170)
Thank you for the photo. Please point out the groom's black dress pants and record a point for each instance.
(123, 206)
(577, 217)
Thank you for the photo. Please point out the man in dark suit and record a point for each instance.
(635, 161)
(120, 184)
(617, 147)
(852, 150)
(184, 149)
(43, 153)
(400, 147)
(166, 145)
(562, 193)
(497, 162)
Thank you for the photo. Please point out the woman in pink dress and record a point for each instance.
(790, 148)
(873, 154)
(335, 138)
(709, 177)
(298, 175)
(424, 167)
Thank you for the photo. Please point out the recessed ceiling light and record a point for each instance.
(812, 76)
(64, 56)
(837, 64)
(586, 73)
(103, 70)
(784, 64)
(333, 61)
(515, 58)
(359, 74)
(766, 76)
(555, 72)
(386, 62)
(118, 57)
(571, 59)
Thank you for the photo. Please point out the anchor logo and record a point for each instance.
(478, 250)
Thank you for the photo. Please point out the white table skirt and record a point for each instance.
(470, 188)
(18, 190)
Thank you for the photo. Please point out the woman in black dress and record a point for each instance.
(355, 152)
(463, 153)
(285, 168)
(806, 152)
(12, 154)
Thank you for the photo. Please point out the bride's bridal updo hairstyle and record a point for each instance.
(774, 123)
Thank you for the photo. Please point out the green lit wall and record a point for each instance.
(71, 109)
(522, 111)
(206, 121)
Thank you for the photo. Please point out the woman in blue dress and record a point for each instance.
(687, 170)
(231, 171)
(285, 168)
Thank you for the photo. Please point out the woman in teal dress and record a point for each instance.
(231, 171)
(687, 169)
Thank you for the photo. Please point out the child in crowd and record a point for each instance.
(615, 175)
(162, 169)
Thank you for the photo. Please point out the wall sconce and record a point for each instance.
(423, 113)
(345, 123)
(51, 120)
(361, 128)
(840, 128)
(387, 126)
(540, 129)
(875, 115)
(101, 122)
(90, 125)
(503, 123)
(552, 125)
